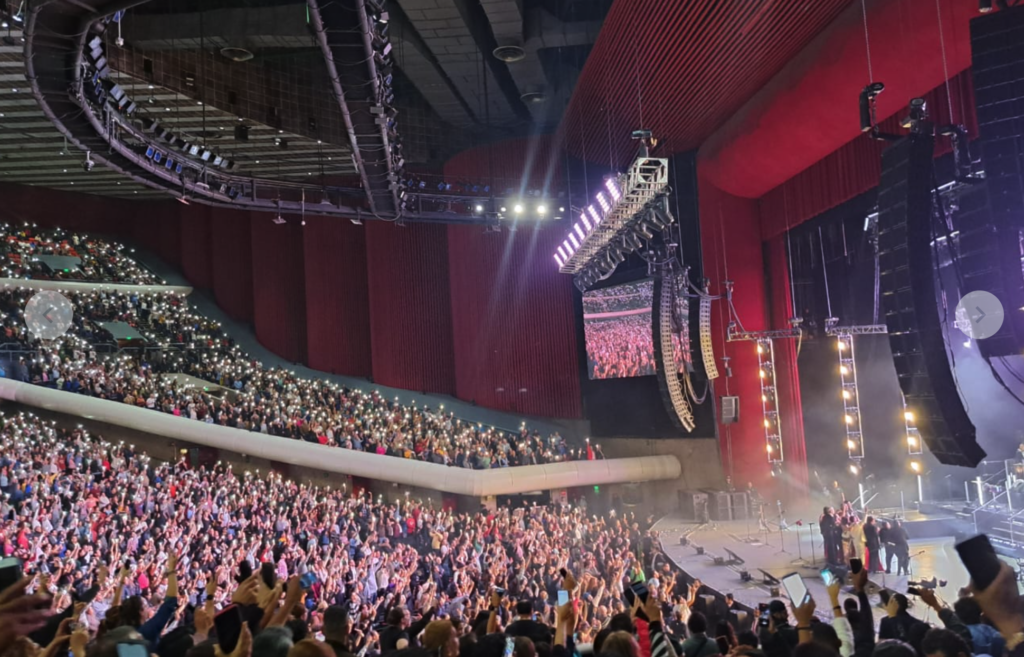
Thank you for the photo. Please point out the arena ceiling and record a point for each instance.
(179, 61)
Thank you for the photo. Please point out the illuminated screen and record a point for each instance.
(617, 323)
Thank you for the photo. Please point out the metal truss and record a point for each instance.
(623, 198)
(770, 401)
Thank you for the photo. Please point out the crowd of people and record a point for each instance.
(99, 260)
(246, 395)
(110, 553)
(620, 347)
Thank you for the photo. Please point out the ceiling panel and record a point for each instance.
(681, 69)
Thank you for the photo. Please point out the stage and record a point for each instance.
(797, 549)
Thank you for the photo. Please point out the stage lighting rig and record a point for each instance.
(614, 210)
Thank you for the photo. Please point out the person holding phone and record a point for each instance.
(779, 638)
(525, 625)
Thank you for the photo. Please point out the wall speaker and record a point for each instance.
(730, 406)
(907, 282)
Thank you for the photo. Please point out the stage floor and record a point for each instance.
(794, 550)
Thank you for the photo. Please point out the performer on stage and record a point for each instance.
(899, 538)
(832, 535)
(1020, 453)
(872, 545)
(885, 537)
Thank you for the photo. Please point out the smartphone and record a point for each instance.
(980, 559)
(244, 570)
(131, 650)
(827, 576)
(640, 590)
(762, 614)
(795, 588)
(913, 590)
(268, 573)
(510, 646)
(229, 628)
(500, 591)
(856, 565)
(308, 580)
(563, 572)
(10, 572)
(563, 597)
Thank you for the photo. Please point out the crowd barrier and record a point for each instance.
(457, 481)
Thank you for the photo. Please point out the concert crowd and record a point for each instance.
(117, 550)
(247, 396)
(620, 347)
(100, 260)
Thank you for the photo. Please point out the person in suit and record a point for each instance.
(872, 546)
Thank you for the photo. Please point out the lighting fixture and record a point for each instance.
(915, 466)
(541, 209)
(854, 469)
(517, 208)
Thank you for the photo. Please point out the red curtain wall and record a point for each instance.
(337, 297)
(512, 321)
(410, 306)
(787, 375)
(856, 166)
(732, 248)
(195, 233)
(231, 261)
(278, 283)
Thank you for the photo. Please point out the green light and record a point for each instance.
(128, 338)
(597, 489)
(67, 270)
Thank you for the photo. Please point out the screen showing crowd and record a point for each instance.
(617, 322)
(618, 325)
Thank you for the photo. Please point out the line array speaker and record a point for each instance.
(907, 281)
(997, 49)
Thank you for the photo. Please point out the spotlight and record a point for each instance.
(908, 416)
(915, 466)
(850, 444)
(541, 209)
(478, 209)
(854, 469)
(517, 208)
(503, 208)
(88, 164)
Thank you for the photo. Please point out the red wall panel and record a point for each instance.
(731, 243)
(337, 297)
(278, 284)
(195, 238)
(69, 210)
(855, 167)
(787, 376)
(157, 228)
(810, 109)
(231, 261)
(512, 318)
(410, 306)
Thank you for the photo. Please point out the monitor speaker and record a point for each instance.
(908, 291)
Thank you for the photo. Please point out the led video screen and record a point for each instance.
(617, 324)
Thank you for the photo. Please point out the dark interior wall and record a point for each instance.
(337, 296)
(231, 262)
(509, 299)
(278, 283)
